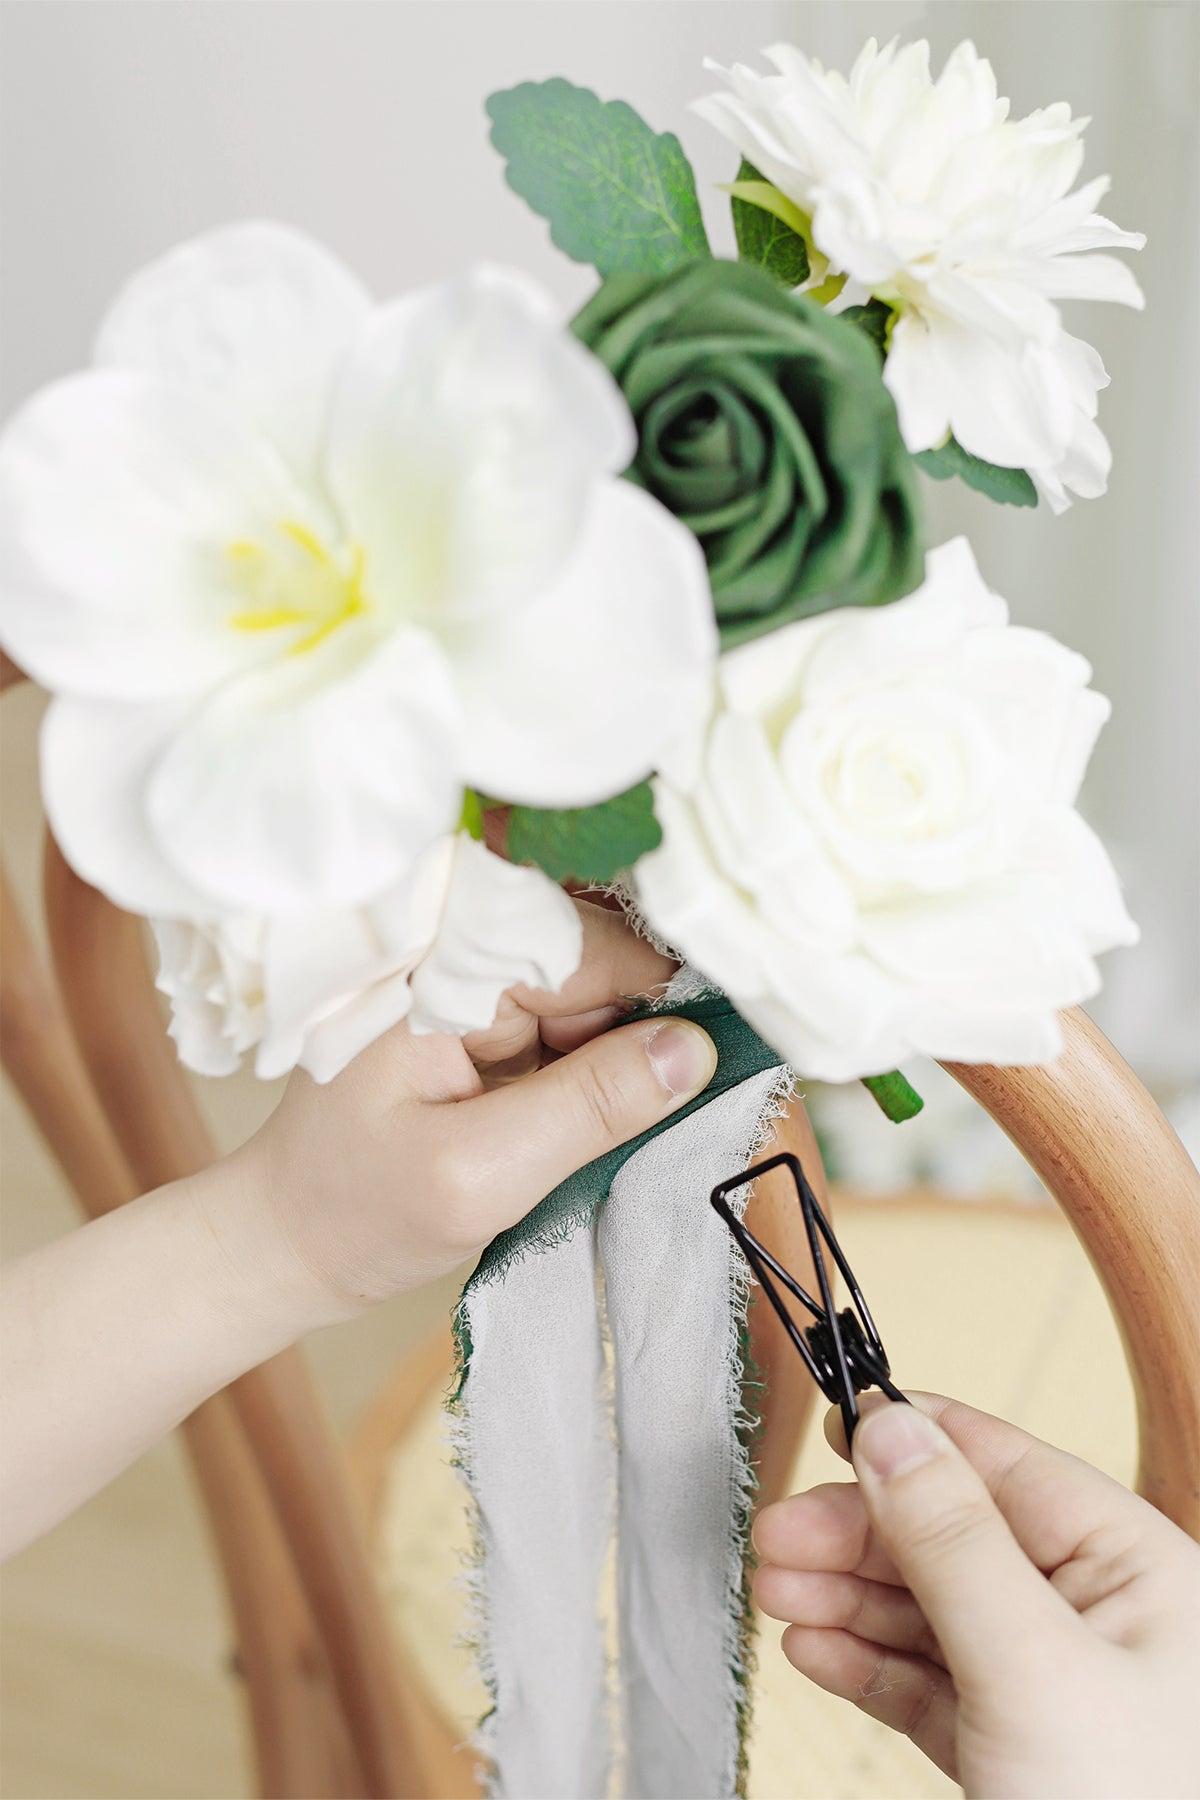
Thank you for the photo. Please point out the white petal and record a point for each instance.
(766, 673)
(760, 138)
(315, 780)
(97, 758)
(912, 378)
(695, 908)
(1004, 947)
(469, 426)
(195, 1029)
(999, 306)
(808, 1031)
(213, 975)
(337, 1039)
(1099, 233)
(1074, 224)
(1059, 843)
(999, 1036)
(1085, 278)
(1084, 371)
(502, 925)
(856, 227)
(316, 961)
(120, 497)
(568, 699)
(766, 844)
(1084, 464)
(1010, 407)
(258, 317)
(199, 1021)
(1033, 692)
(865, 648)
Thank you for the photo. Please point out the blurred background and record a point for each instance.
(127, 125)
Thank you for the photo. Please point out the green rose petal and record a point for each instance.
(764, 425)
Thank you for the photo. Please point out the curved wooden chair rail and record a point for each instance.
(1090, 1130)
(334, 1711)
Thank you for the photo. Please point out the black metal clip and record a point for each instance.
(842, 1351)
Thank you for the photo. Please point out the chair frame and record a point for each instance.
(334, 1708)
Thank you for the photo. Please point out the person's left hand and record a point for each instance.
(424, 1148)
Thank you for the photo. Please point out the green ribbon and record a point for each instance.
(741, 1054)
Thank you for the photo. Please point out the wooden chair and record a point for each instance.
(335, 1710)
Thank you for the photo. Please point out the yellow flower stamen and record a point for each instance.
(317, 594)
(307, 540)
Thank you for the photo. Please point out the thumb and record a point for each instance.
(986, 1603)
(527, 1137)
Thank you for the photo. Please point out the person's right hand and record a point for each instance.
(1030, 1624)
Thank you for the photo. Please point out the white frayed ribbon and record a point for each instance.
(568, 1450)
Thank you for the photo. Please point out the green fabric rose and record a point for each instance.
(764, 426)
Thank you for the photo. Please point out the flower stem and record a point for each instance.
(894, 1096)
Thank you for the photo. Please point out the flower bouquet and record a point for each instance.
(369, 625)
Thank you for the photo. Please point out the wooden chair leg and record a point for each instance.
(279, 1654)
(42, 1060)
(108, 992)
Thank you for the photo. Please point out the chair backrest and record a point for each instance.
(1093, 1134)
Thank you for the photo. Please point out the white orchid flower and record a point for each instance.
(873, 847)
(313, 989)
(928, 195)
(298, 568)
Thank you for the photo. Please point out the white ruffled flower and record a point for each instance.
(297, 568)
(315, 988)
(926, 194)
(873, 846)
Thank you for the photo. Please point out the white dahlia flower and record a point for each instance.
(926, 194)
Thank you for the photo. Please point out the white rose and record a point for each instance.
(315, 988)
(874, 848)
(965, 221)
(297, 568)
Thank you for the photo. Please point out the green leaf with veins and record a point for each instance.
(762, 236)
(586, 843)
(615, 193)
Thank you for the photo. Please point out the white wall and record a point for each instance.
(126, 126)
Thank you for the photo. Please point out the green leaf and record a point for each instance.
(894, 1096)
(586, 843)
(1010, 487)
(875, 319)
(616, 194)
(773, 243)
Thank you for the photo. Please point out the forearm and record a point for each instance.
(116, 1332)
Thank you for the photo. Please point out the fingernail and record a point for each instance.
(682, 1056)
(895, 1439)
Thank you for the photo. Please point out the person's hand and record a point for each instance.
(425, 1147)
(395, 1173)
(1030, 1624)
